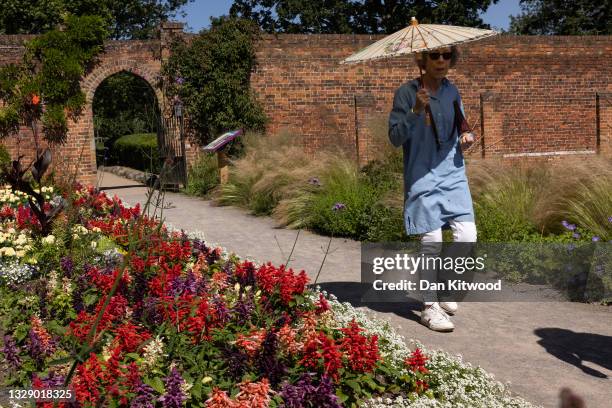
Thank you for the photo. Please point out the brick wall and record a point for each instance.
(537, 96)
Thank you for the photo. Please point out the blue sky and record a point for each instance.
(198, 13)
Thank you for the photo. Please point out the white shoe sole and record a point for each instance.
(443, 330)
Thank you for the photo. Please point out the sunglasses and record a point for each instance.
(434, 56)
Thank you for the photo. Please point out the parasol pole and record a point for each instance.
(429, 120)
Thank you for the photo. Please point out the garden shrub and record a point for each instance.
(138, 151)
(5, 157)
(211, 76)
(352, 220)
(203, 175)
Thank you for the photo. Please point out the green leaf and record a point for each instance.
(342, 396)
(196, 390)
(56, 328)
(90, 299)
(156, 383)
(20, 332)
(354, 385)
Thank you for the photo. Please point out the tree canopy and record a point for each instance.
(135, 19)
(562, 17)
(356, 16)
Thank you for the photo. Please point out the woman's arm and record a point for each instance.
(402, 120)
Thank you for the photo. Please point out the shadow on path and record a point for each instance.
(121, 187)
(352, 292)
(575, 348)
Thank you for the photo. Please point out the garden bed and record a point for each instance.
(127, 312)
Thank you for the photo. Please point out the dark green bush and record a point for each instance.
(137, 151)
(211, 75)
(495, 225)
(5, 157)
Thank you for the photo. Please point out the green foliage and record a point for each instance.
(363, 17)
(124, 104)
(5, 158)
(203, 175)
(54, 123)
(9, 120)
(211, 76)
(46, 86)
(136, 19)
(495, 225)
(559, 17)
(349, 189)
(138, 151)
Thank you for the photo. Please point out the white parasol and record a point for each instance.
(416, 38)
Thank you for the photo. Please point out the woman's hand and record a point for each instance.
(422, 100)
(466, 139)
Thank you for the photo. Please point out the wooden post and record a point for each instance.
(223, 164)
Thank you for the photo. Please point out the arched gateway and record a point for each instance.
(141, 58)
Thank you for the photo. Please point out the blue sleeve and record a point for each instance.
(402, 120)
(460, 103)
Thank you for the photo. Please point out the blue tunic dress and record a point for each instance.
(435, 185)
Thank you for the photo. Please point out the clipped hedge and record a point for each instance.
(138, 151)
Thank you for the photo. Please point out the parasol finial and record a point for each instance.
(414, 21)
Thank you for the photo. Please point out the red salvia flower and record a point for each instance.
(321, 349)
(86, 381)
(417, 361)
(7, 212)
(129, 337)
(288, 284)
(361, 351)
(322, 304)
(84, 321)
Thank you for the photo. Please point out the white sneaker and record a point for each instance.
(449, 307)
(436, 319)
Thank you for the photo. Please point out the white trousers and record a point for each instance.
(463, 231)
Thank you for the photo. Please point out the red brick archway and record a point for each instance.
(141, 58)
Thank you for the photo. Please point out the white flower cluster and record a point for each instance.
(13, 272)
(14, 243)
(78, 231)
(152, 353)
(199, 235)
(461, 384)
(8, 196)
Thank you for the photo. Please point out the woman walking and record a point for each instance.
(436, 191)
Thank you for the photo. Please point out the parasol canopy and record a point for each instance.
(418, 37)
